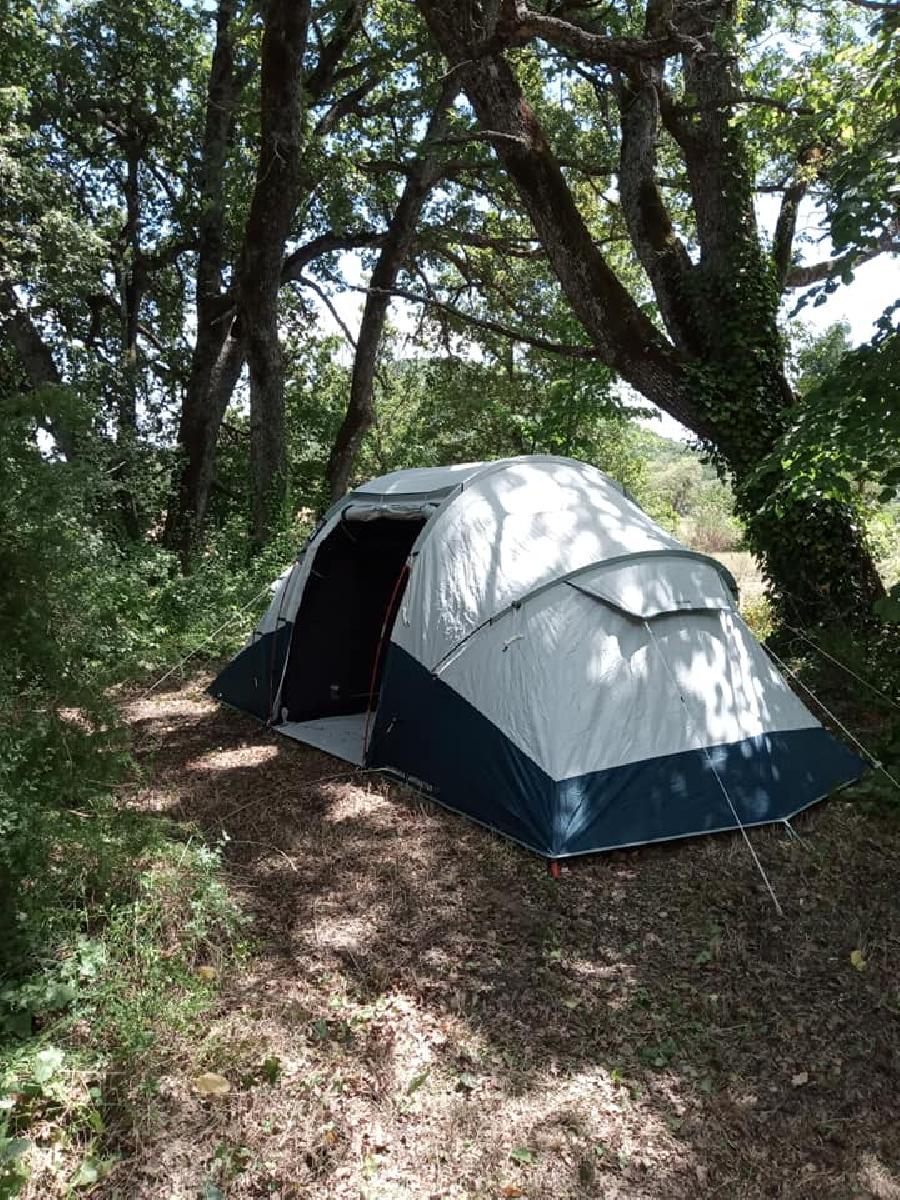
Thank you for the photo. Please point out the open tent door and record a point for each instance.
(332, 675)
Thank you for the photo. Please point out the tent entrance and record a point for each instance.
(351, 595)
(341, 736)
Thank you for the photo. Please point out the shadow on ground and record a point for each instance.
(446, 1020)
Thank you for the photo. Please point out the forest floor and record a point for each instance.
(425, 1013)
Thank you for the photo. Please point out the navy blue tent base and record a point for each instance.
(427, 734)
(250, 680)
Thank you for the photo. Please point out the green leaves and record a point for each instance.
(523, 1155)
(14, 1169)
(888, 608)
(47, 1063)
(848, 428)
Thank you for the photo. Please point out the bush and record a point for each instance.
(113, 939)
(104, 914)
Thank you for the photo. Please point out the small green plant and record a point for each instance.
(757, 612)
(14, 1168)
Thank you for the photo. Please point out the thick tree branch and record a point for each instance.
(625, 338)
(164, 256)
(804, 276)
(36, 359)
(565, 349)
(660, 250)
(342, 107)
(321, 77)
(785, 228)
(34, 353)
(890, 6)
(622, 53)
(395, 247)
(326, 243)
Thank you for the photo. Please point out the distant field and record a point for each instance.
(745, 569)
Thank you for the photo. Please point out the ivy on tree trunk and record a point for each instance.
(718, 368)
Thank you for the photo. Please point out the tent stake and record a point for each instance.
(553, 867)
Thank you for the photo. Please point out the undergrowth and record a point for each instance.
(853, 682)
(105, 915)
(118, 951)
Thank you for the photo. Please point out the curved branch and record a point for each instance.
(805, 276)
(566, 349)
(326, 243)
(622, 53)
(395, 248)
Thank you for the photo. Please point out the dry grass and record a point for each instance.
(427, 1014)
(745, 569)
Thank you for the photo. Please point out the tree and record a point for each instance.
(396, 245)
(238, 323)
(217, 357)
(95, 134)
(717, 363)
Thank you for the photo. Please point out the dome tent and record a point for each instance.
(519, 640)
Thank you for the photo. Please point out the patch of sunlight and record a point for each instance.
(598, 1115)
(346, 931)
(349, 803)
(237, 756)
(612, 984)
(878, 1179)
(166, 708)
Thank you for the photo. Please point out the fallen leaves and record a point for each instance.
(211, 1084)
(465, 964)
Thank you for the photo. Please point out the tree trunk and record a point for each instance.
(816, 557)
(131, 288)
(209, 391)
(395, 249)
(217, 357)
(271, 215)
(721, 373)
(242, 323)
(37, 362)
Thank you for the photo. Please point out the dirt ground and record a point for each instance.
(425, 1013)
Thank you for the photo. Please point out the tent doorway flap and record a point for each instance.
(339, 624)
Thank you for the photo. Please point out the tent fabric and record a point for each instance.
(636, 585)
(596, 673)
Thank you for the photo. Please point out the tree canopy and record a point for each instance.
(566, 192)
